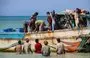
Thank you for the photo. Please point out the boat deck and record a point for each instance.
(57, 33)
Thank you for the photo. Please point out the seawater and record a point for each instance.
(14, 22)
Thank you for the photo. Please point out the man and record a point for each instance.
(38, 46)
(53, 19)
(32, 21)
(49, 19)
(26, 27)
(27, 47)
(46, 49)
(18, 47)
(60, 47)
(39, 24)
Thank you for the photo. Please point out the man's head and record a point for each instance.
(36, 13)
(19, 42)
(58, 40)
(78, 10)
(36, 40)
(53, 13)
(27, 40)
(48, 13)
(45, 43)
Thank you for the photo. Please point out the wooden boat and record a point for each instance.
(71, 45)
(58, 34)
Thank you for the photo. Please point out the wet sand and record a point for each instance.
(53, 55)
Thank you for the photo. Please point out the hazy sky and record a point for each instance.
(27, 7)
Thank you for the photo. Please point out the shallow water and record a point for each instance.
(53, 55)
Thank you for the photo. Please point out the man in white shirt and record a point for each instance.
(27, 47)
(46, 49)
(60, 47)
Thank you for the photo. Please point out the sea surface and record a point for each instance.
(14, 23)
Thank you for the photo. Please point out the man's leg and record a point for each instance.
(53, 27)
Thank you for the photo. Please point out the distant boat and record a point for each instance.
(14, 30)
(20, 29)
(9, 30)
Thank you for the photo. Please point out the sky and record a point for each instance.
(28, 7)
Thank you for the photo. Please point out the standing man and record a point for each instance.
(77, 17)
(53, 19)
(49, 19)
(32, 21)
(26, 27)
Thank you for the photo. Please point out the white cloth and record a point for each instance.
(60, 48)
(76, 16)
(26, 46)
(46, 50)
